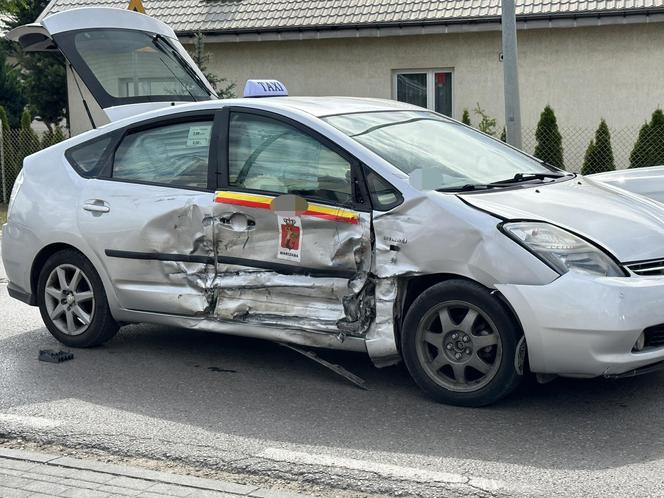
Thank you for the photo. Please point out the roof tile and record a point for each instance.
(259, 15)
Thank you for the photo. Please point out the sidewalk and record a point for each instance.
(29, 474)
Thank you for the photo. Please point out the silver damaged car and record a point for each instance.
(344, 223)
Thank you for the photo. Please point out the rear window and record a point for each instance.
(136, 64)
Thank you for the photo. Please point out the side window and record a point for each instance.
(175, 154)
(266, 154)
(87, 157)
(383, 195)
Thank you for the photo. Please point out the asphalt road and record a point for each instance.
(255, 408)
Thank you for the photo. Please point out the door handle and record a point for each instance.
(96, 206)
(237, 222)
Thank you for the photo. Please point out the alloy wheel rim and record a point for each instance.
(459, 346)
(69, 299)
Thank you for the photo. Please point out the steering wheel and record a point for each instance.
(251, 160)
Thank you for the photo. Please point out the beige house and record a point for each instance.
(587, 59)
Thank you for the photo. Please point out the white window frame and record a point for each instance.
(431, 83)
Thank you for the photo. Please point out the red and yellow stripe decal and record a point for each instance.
(265, 201)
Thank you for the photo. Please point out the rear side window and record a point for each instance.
(87, 157)
(175, 154)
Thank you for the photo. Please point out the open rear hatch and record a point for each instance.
(119, 63)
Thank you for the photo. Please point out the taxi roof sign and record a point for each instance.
(265, 88)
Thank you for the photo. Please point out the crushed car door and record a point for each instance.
(146, 211)
(293, 229)
(125, 61)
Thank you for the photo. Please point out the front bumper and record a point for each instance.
(583, 326)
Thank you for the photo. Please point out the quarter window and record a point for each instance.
(269, 155)
(175, 154)
(431, 88)
(87, 156)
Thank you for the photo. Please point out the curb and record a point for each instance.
(196, 483)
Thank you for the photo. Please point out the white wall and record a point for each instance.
(615, 72)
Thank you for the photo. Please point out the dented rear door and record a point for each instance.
(292, 235)
(147, 211)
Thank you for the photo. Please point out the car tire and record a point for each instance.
(459, 344)
(72, 301)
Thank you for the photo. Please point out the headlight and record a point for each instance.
(561, 249)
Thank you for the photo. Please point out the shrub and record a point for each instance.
(549, 146)
(52, 136)
(649, 147)
(487, 124)
(28, 142)
(599, 155)
(465, 119)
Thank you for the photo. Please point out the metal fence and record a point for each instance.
(15, 145)
(622, 147)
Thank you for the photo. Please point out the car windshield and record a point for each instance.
(438, 152)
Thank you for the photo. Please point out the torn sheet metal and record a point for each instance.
(338, 369)
(380, 338)
(321, 257)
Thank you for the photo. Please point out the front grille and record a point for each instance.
(647, 268)
(654, 336)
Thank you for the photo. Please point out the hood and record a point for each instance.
(644, 181)
(119, 63)
(629, 226)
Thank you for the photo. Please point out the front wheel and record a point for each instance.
(459, 344)
(72, 301)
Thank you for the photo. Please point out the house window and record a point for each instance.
(430, 88)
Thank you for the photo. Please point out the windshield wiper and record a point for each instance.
(468, 187)
(526, 177)
(518, 178)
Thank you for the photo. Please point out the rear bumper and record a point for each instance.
(582, 326)
(19, 247)
(18, 293)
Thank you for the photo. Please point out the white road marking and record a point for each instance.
(383, 469)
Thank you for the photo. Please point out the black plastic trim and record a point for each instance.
(21, 295)
(637, 371)
(229, 260)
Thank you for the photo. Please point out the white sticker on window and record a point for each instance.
(290, 238)
(199, 136)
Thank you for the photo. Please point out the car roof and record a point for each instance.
(315, 106)
(326, 106)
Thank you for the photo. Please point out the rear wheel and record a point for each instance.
(459, 344)
(72, 301)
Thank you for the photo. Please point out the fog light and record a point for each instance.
(640, 343)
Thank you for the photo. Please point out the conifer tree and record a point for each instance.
(599, 155)
(649, 147)
(549, 146)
